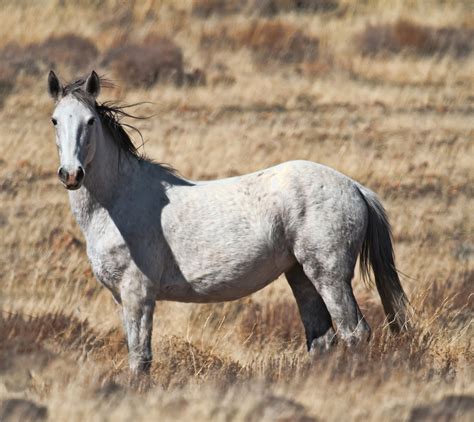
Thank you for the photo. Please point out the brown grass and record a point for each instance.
(399, 123)
(178, 361)
(278, 321)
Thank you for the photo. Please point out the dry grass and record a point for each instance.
(399, 123)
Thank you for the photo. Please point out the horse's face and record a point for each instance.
(77, 129)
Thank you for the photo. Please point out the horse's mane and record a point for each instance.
(111, 113)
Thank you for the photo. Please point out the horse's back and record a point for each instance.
(307, 192)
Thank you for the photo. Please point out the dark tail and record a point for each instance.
(377, 252)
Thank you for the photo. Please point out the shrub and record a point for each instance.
(268, 40)
(70, 51)
(407, 36)
(457, 41)
(272, 7)
(195, 78)
(206, 8)
(22, 410)
(17, 59)
(7, 81)
(155, 60)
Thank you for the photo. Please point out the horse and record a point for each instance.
(152, 235)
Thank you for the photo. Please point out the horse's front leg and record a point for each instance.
(138, 304)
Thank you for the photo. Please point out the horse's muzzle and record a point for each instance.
(71, 179)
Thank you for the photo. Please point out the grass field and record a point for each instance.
(381, 91)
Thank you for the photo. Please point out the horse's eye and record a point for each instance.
(54, 121)
(91, 121)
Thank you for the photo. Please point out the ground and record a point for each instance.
(281, 84)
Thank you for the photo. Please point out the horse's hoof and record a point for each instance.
(323, 344)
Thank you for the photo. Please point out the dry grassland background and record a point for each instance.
(381, 91)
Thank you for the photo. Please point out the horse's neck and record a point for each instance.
(104, 177)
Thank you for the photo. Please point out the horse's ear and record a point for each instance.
(54, 86)
(93, 84)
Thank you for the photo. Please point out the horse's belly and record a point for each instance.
(223, 284)
(225, 240)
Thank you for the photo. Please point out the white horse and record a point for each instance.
(152, 235)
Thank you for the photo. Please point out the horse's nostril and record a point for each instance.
(79, 174)
(62, 174)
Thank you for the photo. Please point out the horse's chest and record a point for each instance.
(109, 263)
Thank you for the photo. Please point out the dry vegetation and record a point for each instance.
(404, 35)
(383, 94)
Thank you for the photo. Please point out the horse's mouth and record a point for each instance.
(73, 186)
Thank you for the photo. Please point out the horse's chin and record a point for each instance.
(72, 187)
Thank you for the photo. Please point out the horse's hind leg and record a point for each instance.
(332, 279)
(314, 314)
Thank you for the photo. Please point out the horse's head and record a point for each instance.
(77, 126)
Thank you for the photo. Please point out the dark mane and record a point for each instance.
(111, 113)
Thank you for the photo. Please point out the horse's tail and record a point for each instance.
(377, 252)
